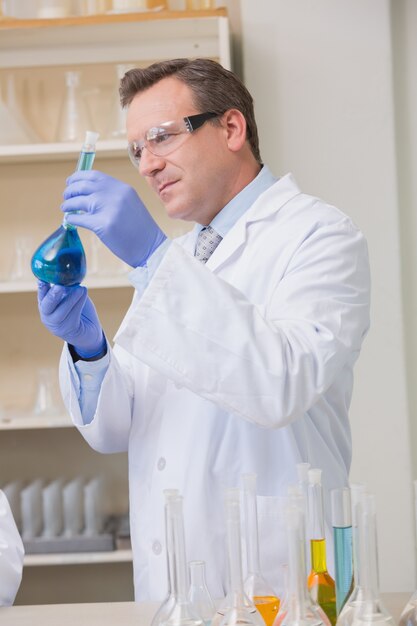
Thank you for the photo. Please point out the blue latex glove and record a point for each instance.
(68, 313)
(115, 213)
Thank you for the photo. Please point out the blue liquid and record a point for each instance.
(343, 565)
(60, 259)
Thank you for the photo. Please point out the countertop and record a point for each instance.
(115, 613)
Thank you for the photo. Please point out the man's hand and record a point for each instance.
(115, 213)
(68, 313)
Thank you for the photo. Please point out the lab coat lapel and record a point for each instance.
(268, 203)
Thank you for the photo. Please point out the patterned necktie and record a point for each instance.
(207, 242)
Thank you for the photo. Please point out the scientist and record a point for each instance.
(11, 554)
(237, 352)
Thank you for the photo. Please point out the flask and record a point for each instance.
(371, 610)
(320, 584)
(409, 615)
(256, 587)
(60, 259)
(236, 608)
(199, 594)
(182, 612)
(168, 603)
(342, 535)
(301, 610)
(356, 597)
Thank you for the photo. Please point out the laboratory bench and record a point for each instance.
(126, 613)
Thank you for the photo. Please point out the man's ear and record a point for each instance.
(234, 124)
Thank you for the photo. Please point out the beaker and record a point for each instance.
(342, 536)
(236, 608)
(320, 584)
(198, 593)
(256, 587)
(183, 612)
(74, 116)
(60, 259)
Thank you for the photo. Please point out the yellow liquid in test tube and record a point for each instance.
(320, 584)
(268, 607)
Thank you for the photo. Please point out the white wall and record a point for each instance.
(321, 73)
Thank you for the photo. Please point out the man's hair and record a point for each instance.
(213, 87)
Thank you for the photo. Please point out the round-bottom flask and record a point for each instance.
(60, 259)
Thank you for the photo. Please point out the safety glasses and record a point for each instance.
(168, 136)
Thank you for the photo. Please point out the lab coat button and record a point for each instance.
(161, 463)
(156, 548)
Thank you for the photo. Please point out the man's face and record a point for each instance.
(191, 181)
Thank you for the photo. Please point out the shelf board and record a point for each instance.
(28, 422)
(102, 282)
(8, 23)
(78, 558)
(44, 152)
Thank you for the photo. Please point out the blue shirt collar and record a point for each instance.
(238, 205)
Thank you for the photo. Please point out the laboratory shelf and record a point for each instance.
(28, 422)
(78, 558)
(45, 152)
(114, 38)
(102, 282)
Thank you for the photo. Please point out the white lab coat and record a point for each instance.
(11, 554)
(240, 365)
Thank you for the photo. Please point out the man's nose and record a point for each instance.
(150, 163)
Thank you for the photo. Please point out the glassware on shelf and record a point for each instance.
(256, 587)
(52, 509)
(320, 584)
(20, 269)
(342, 536)
(301, 610)
(74, 116)
(198, 593)
(93, 507)
(371, 611)
(31, 509)
(73, 507)
(116, 128)
(347, 613)
(14, 128)
(236, 608)
(169, 602)
(46, 402)
(60, 259)
(183, 612)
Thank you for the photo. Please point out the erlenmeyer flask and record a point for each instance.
(236, 608)
(409, 615)
(60, 259)
(371, 611)
(320, 584)
(183, 612)
(346, 615)
(74, 117)
(168, 604)
(256, 587)
(199, 594)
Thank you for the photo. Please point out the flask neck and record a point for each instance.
(251, 524)
(318, 555)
